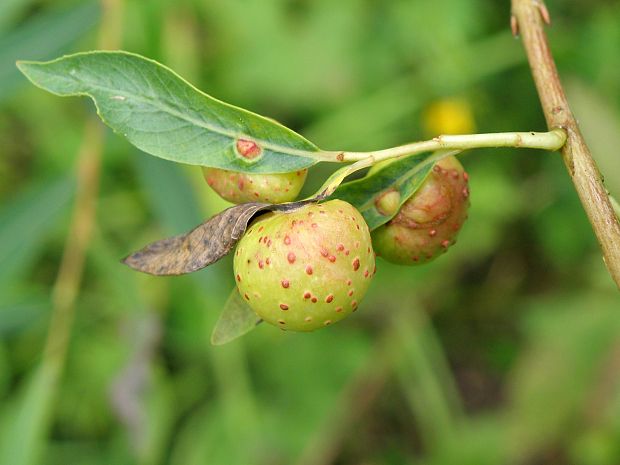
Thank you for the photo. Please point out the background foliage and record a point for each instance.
(506, 349)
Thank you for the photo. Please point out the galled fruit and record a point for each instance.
(239, 187)
(305, 269)
(429, 221)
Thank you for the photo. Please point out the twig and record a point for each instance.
(552, 140)
(528, 20)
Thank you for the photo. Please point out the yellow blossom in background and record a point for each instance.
(448, 116)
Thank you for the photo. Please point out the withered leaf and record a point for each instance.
(203, 245)
(236, 319)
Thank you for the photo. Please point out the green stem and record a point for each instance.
(552, 140)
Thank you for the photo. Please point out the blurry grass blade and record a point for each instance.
(9, 10)
(42, 37)
(164, 115)
(236, 319)
(25, 223)
(23, 423)
(560, 368)
(19, 312)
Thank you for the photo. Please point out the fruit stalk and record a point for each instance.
(552, 140)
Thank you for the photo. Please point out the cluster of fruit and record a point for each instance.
(308, 268)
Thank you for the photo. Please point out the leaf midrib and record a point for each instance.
(164, 106)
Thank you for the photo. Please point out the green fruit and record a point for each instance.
(429, 221)
(305, 269)
(245, 187)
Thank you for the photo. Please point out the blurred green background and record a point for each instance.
(505, 350)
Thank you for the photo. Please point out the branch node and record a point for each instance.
(514, 26)
(544, 12)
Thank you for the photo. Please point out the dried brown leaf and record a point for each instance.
(203, 245)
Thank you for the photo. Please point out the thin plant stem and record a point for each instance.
(528, 20)
(552, 140)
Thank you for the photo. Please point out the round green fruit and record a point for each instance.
(307, 268)
(245, 187)
(429, 221)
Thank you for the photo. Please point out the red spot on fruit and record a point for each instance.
(356, 264)
(331, 258)
(248, 149)
(287, 240)
(282, 322)
(350, 292)
(314, 225)
(285, 283)
(432, 232)
(268, 261)
(340, 247)
(466, 177)
(445, 244)
(327, 322)
(291, 257)
(366, 273)
(314, 300)
(261, 264)
(465, 192)
(284, 306)
(308, 269)
(354, 304)
(324, 252)
(261, 229)
(349, 282)
(246, 296)
(238, 278)
(329, 298)
(338, 309)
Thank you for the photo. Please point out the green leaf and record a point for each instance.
(164, 115)
(404, 175)
(236, 319)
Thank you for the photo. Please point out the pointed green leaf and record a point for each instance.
(164, 115)
(236, 319)
(404, 175)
